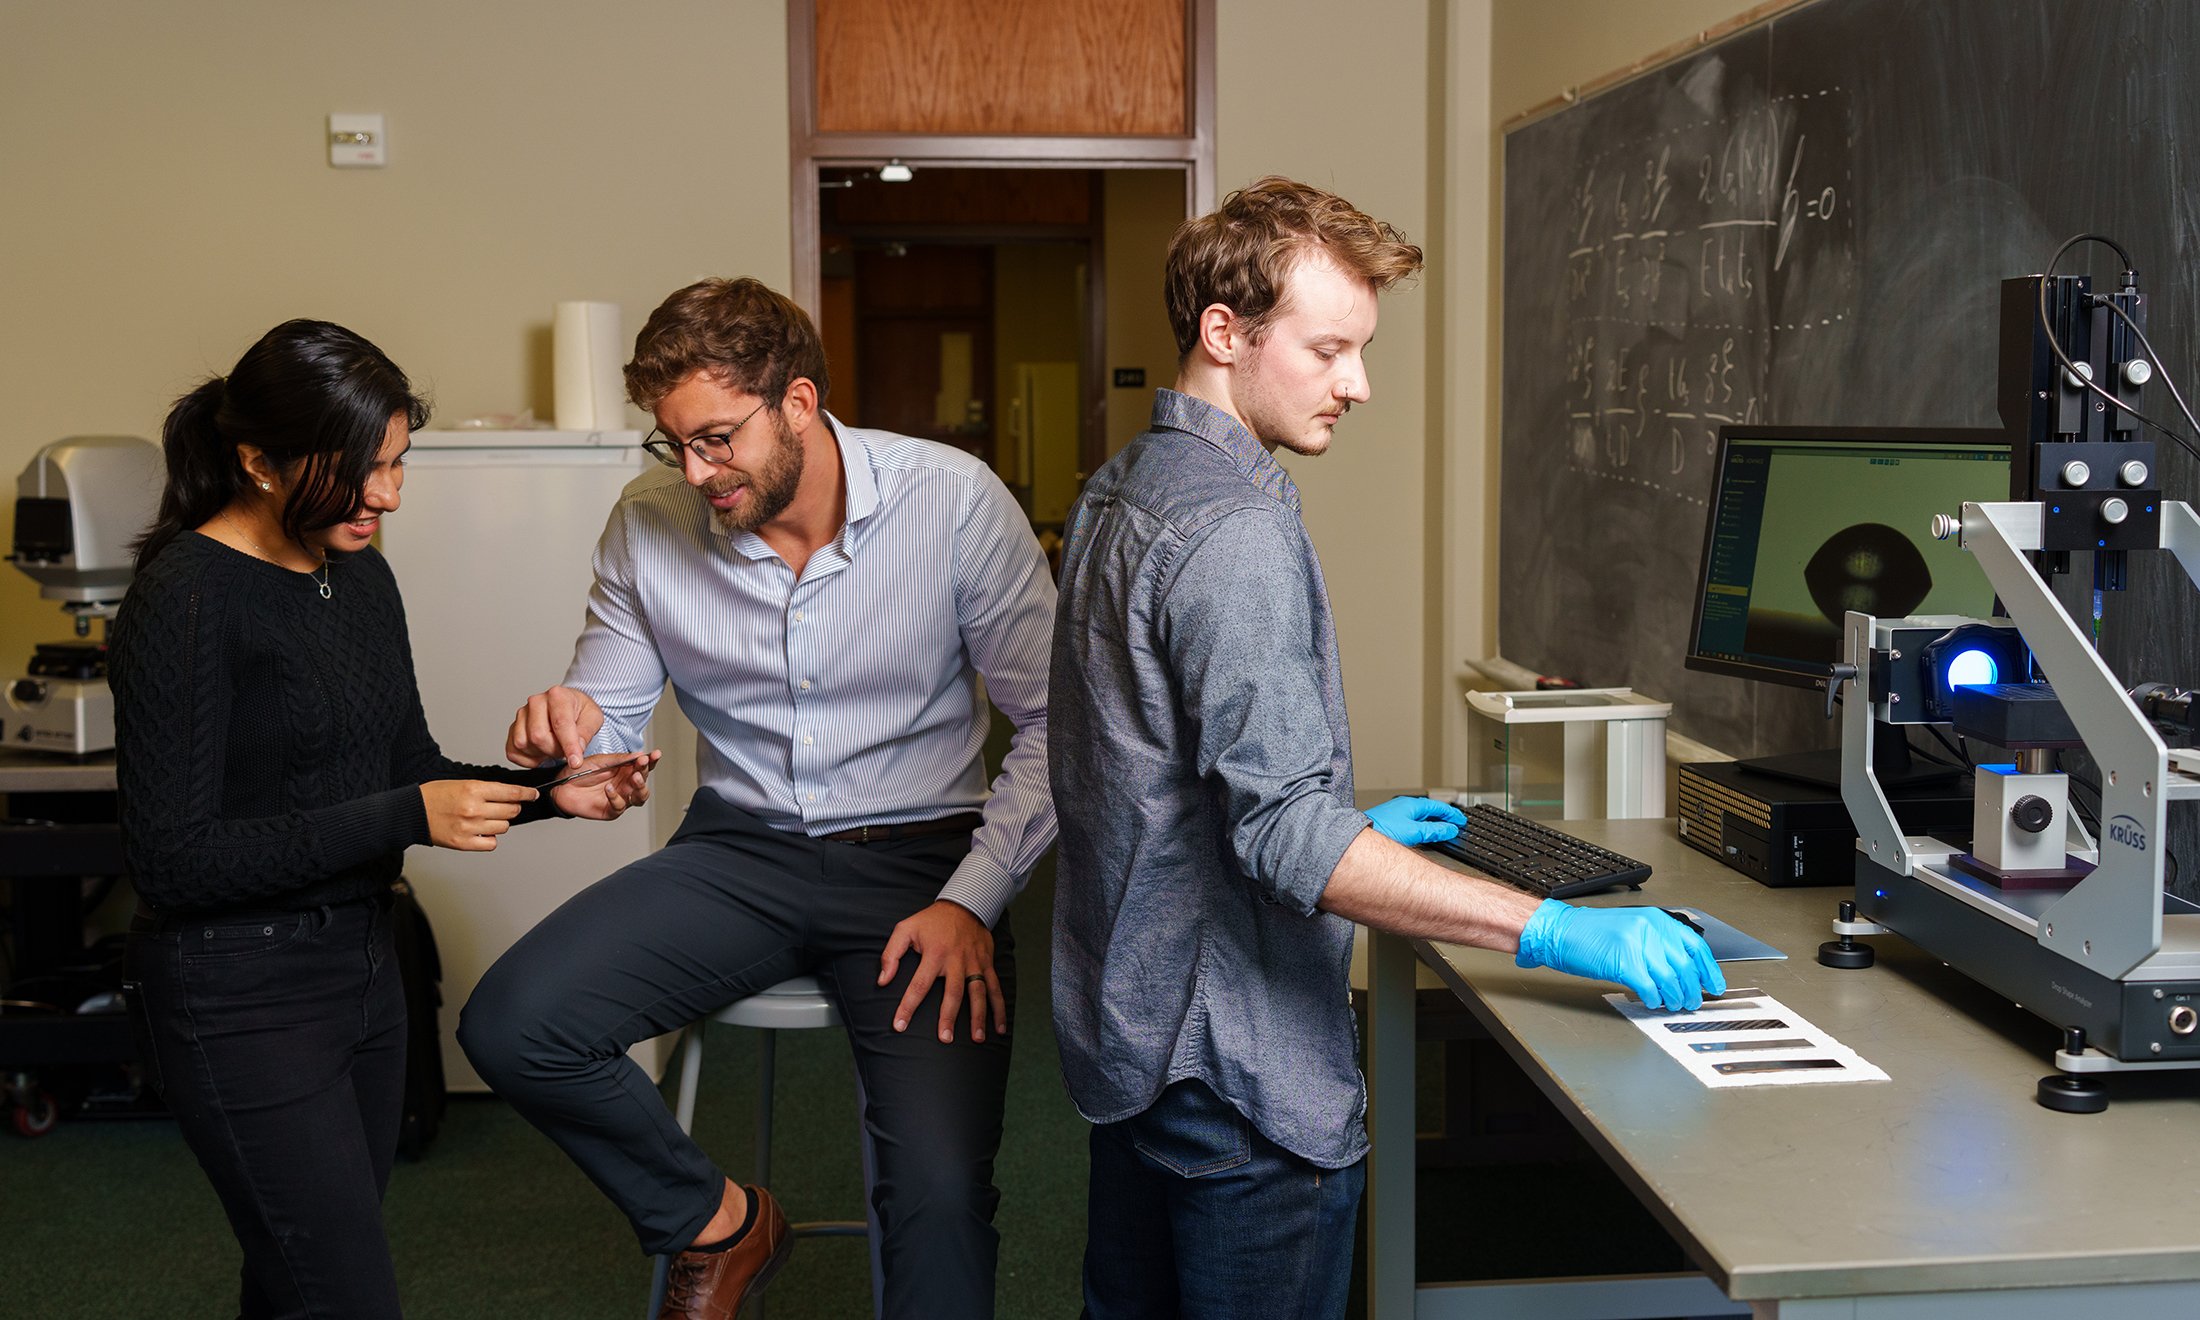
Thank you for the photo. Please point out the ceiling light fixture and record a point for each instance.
(894, 171)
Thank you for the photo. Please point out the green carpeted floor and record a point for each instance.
(113, 1221)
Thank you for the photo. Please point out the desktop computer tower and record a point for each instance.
(1783, 832)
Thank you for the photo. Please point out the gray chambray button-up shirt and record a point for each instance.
(1202, 773)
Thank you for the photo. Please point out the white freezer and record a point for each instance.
(491, 546)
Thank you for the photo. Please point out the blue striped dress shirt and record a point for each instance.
(850, 697)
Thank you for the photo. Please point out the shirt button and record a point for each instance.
(805, 740)
(813, 797)
(805, 685)
(798, 616)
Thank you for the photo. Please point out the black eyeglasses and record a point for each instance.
(714, 449)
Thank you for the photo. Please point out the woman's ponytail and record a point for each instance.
(203, 474)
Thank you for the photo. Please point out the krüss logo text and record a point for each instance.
(2127, 831)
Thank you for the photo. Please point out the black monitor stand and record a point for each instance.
(1896, 768)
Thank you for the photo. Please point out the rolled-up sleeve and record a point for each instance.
(1236, 619)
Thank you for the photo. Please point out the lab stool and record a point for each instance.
(796, 1004)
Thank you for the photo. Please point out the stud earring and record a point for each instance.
(265, 486)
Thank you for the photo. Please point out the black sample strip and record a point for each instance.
(1709, 1046)
(1774, 1065)
(1746, 1024)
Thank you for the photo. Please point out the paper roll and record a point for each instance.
(588, 354)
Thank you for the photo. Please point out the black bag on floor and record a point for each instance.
(422, 972)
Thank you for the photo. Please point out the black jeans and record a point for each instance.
(729, 907)
(278, 1041)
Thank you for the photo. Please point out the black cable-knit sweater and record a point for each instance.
(269, 744)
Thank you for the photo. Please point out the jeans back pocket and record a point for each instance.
(1192, 1132)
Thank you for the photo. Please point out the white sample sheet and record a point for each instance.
(1747, 1038)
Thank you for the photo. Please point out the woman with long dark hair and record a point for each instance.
(274, 764)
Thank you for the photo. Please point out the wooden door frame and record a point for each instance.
(811, 152)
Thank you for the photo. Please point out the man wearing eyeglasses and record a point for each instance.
(824, 602)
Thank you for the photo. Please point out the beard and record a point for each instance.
(771, 487)
(1276, 420)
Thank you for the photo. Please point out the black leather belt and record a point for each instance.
(960, 823)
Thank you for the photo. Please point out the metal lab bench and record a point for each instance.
(1945, 1191)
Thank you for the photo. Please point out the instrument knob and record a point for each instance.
(2138, 371)
(2077, 374)
(1946, 525)
(2133, 473)
(2031, 813)
(2076, 473)
(2114, 510)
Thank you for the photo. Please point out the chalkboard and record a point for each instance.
(1808, 223)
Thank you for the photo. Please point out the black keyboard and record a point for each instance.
(1529, 855)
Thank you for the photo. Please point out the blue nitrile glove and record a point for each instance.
(1414, 821)
(1665, 963)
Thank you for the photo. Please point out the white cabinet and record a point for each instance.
(491, 545)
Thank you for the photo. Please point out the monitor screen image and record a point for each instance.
(1806, 525)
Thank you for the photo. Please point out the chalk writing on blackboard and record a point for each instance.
(1681, 251)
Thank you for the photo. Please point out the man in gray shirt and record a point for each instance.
(1212, 864)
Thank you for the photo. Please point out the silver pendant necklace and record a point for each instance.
(321, 582)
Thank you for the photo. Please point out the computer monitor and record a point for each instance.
(1807, 523)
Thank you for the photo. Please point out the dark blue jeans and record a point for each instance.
(278, 1042)
(1192, 1212)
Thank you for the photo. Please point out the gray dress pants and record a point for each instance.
(729, 907)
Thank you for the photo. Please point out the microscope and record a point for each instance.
(2060, 908)
(78, 506)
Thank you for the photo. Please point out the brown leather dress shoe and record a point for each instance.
(711, 1285)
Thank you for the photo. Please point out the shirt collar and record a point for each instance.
(855, 464)
(1197, 417)
(858, 477)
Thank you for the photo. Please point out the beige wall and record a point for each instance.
(167, 194)
(1544, 47)
(1140, 210)
(1462, 479)
(167, 197)
(1340, 98)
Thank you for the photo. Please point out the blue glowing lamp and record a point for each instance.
(1973, 668)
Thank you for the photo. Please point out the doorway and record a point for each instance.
(1014, 313)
